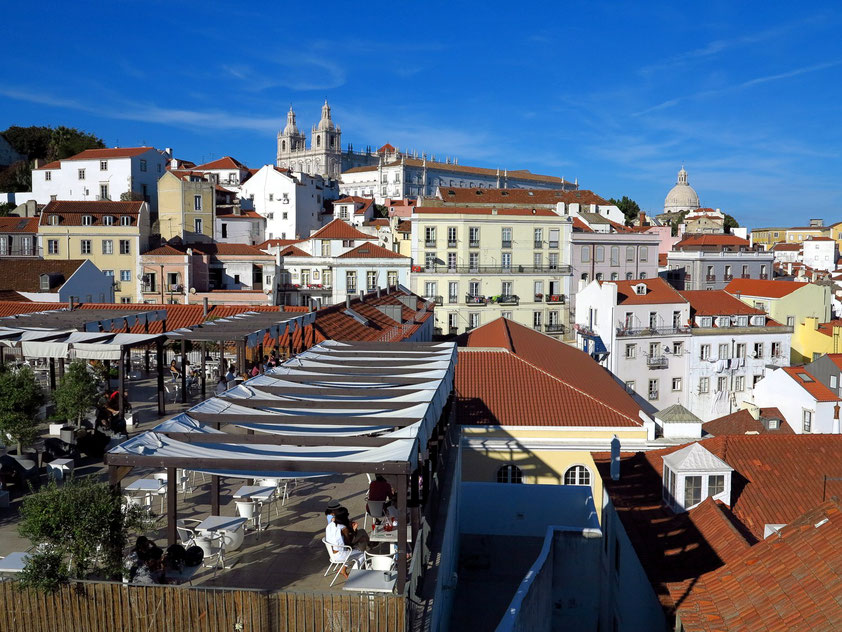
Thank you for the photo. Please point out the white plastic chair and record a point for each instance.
(341, 558)
(162, 492)
(379, 562)
(374, 509)
(172, 389)
(281, 485)
(186, 534)
(248, 509)
(213, 547)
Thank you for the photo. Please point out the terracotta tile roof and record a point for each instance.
(662, 259)
(764, 288)
(293, 251)
(371, 251)
(657, 291)
(387, 148)
(561, 362)
(827, 328)
(479, 210)
(24, 274)
(334, 324)
(379, 222)
(836, 358)
(217, 249)
(226, 162)
(520, 174)
(229, 214)
(717, 303)
(269, 243)
(13, 224)
(696, 240)
(741, 422)
(518, 196)
(405, 226)
(814, 238)
(113, 152)
(164, 251)
(11, 295)
(579, 225)
(789, 581)
(809, 383)
(70, 213)
(337, 229)
(55, 164)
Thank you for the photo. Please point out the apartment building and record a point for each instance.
(103, 174)
(820, 253)
(483, 263)
(110, 234)
(186, 206)
(768, 237)
(227, 172)
(644, 328)
(710, 262)
(233, 225)
(808, 405)
(354, 209)
(19, 237)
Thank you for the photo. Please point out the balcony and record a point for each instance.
(554, 328)
(494, 269)
(470, 299)
(555, 298)
(453, 299)
(729, 277)
(710, 278)
(430, 243)
(624, 332)
(657, 362)
(507, 243)
(148, 288)
(764, 276)
(553, 244)
(539, 244)
(308, 287)
(506, 299)
(653, 395)
(745, 276)
(438, 300)
(451, 243)
(473, 243)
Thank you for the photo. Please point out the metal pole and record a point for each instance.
(214, 495)
(121, 384)
(401, 533)
(52, 374)
(159, 355)
(204, 369)
(172, 499)
(183, 371)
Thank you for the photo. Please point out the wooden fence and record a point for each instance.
(114, 607)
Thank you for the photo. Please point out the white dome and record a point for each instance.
(682, 197)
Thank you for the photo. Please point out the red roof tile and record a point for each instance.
(18, 224)
(217, 249)
(579, 224)
(371, 251)
(379, 222)
(518, 196)
(663, 259)
(293, 251)
(576, 375)
(717, 303)
(70, 213)
(786, 246)
(479, 210)
(657, 291)
(24, 274)
(520, 174)
(766, 289)
(741, 422)
(827, 328)
(405, 226)
(269, 243)
(112, 152)
(337, 229)
(697, 240)
(387, 148)
(809, 383)
(55, 164)
(226, 162)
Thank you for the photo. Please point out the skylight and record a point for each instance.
(805, 378)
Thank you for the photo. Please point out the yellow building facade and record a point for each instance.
(186, 207)
(768, 237)
(815, 339)
(110, 234)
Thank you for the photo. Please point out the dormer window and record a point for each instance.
(44, 282)
(108, 220)
(640, 289)
(705, 321)
(87, 220)
(52, 220)
(742, 321)
(693, 474)
(125, 220)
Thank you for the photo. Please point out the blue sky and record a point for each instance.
(746, 95)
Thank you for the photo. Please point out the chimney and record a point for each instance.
(615, 459)
(378, 291)
(347, 301)
(205, 307)
(70, 303)
(738, 294)
(362, 296)
(641, 218)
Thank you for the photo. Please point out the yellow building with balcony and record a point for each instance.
(479, 264)
(186, 207)
(768, 237)
(110, 234)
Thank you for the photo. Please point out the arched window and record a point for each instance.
(509, 474)
(577, 475)
(318, 141)
(584, 276)
(586, 254)
(283, 145)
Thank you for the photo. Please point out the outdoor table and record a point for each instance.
(379, 534)
(146, 485)
(232, 529)
(60, 469)
(363, 580)
(13, 562)
(260, 493)
(185, 576)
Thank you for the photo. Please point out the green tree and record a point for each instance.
(6, 208)
(68, 141)
(16, 177)
(32, 141)
(76, 393)
(630, 208)
(20, 398)
(77, 529)
(730, 223)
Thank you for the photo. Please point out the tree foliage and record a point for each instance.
(6, 208)
(630, 208)
(730, 223)
(20, 398)
(77, 529)
(76, 394)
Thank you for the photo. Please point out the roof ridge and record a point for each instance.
(576, 388)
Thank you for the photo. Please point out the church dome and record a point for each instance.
(326, 124)
(682, 197)
(291, 128)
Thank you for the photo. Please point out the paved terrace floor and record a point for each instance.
(288, 555)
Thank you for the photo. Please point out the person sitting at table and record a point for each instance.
(191, 374)
(379, 490)
(255, 370)
(221, 386)
(352, 536)
(109, 417)
(138, 556)
(334, 537)
(175, 372)
(231, 375)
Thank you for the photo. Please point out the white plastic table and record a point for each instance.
(363, 580)
(60, 469)
(232, 529)
(13, 562)
(146, 485)
(379, 534)
(261, 493)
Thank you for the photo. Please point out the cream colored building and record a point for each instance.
(110, 234)
(186, 206)
(479, 264)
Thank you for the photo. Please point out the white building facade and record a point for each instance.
(820, 253)
(808, 406)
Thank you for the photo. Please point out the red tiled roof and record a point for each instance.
(226, 162)
(518, 196)
(662, 259)
(579, 224)
(334, 324)
(789, 581)
(293, 251)
(836, 358)
(520, 174)
(480, 210)
(229, 214)
(576, 375)
(657, 291)
(70, 213)
(371, 251)
(709, 240)
(741, 422)
(405, 226)
(337, 229)
(380, 222)
(113, 152)
(814, 238)
(164, 251)
(387, 148)
(217, 249)
(766, 289)
(13, 224)
(717, 303)
(785, 246)
(278, 242)
(24, 274)
(55, 164)
(809, 383)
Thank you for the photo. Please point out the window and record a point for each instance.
(451, 261)
(629, 254)
(539, 237)
(776, 349)
(143, 165)
(716, 484)
(653, 389)
(832, 381)
(453, 292)
(108, 220)
(506, 237)
(741, 350)
(600, 254)
(704, 384)
(537, 261)
(706, 321)
(692, 491)
(197, 203)
(653, 320)
(599, 276)
(197, 225)
(473, 320)
(325, 247)
(509, 474)
(739, 383)
(724, 351)
(473, 261)
(631, 351)
(677, 347)
(48, 175)
(790, 321)
(107, 247)
(742, 321)
(125, 220)
(392, 278)
(347, 243)
(271, 197)
(52, 246)
(537, 319)
(430, 289)
(615, 276)
(615, 255)
(721, 384)
(506, 288)
(285, 215)
(704, 352)
(451, 236)
(453, 320)
(758, 350)
(87, 220)
(103, 165)
(586, 254)
(807, 420)
(430, 236)
(654, 348)
(125, 275)
(644, 254)
(676, 383)
(473, 237)
(554, 232)
(553, 261)
(506, 260)
(351, 281)
(371, 280)
(125, 247)
(81, 174)
(630, 386)
(577, 475)
(103, 192)
(86, 246)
